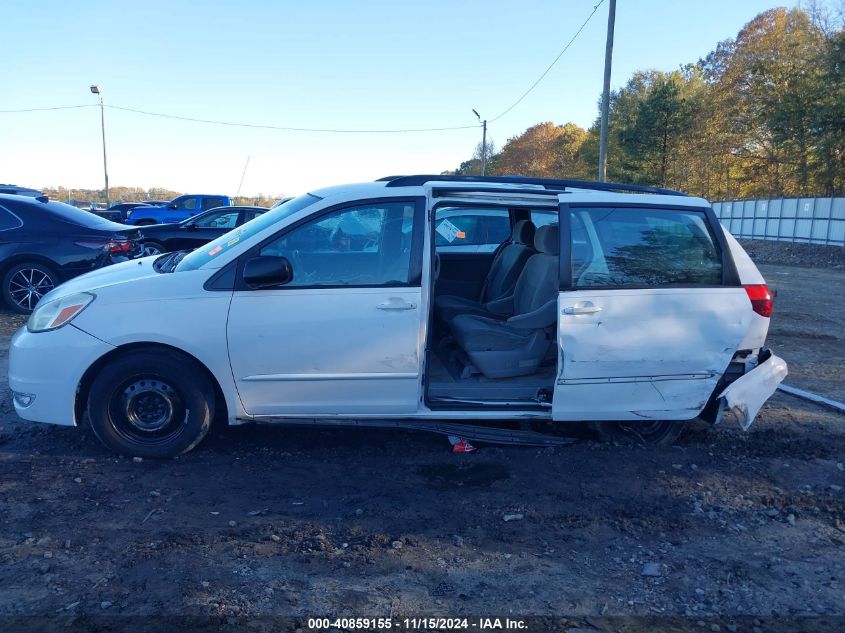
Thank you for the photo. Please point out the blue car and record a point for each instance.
(176, 210)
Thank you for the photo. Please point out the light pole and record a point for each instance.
(96, 90)
(483, 143)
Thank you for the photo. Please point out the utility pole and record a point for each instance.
(605, 98)
(483, 144)
(96, 90)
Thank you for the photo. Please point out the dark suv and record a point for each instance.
(44, 243)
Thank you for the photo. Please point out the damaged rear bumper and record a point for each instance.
(746, 395)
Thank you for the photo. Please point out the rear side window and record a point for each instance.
(542, 217)
(39, 213)
(251, 215)
(219, 220)
(484, 228)
(211, 203)
(9, 220)
(642, 247)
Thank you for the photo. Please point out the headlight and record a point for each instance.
(58, 312)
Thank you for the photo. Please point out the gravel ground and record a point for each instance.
(729, 529)
(795, 254)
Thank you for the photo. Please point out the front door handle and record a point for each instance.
(590, 309)
(395, 303)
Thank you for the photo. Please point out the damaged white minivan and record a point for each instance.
(496, 309)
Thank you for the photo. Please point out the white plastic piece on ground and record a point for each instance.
(746, 395)
(812, 397)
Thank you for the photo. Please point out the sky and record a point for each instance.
(362, 65)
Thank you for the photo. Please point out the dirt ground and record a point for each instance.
(728, 529)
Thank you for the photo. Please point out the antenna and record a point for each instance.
(242, 177)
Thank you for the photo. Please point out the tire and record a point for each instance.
(152, 248)
(153, 404)
(24, 284)
(652, 432)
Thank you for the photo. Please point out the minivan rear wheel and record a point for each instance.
(654, 432)
(151, 404)
(26, 283)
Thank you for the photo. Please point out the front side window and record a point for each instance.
(218, 220)
(186, 204)
(368, 245)
(642, 247)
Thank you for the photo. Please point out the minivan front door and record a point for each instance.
(651, 311)
(343, 337)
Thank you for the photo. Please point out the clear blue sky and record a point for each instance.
(359, 65)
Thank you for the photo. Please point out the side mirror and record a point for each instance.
(191, 226)
(267, 271)
(172, 206)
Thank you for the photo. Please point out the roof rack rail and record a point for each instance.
(548, 183)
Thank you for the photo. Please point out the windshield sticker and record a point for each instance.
(449, 231)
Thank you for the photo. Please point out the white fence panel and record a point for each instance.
(811, 220)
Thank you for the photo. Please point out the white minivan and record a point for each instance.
(627, 307)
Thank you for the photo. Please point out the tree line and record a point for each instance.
(763, 115)
(139, 194)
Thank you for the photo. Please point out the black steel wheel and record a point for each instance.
(151, 404)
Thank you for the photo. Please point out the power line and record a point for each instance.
(546, 72)
(71, 107)
(331, 130)
(286, 128)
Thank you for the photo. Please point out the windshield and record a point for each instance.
(213, 249)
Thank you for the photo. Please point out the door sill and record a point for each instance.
(461, 404)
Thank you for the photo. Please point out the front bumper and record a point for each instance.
(45, 370)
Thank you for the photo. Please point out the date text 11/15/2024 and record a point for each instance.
(416, 624)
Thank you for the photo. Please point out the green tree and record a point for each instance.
(653, 139)
(544, 150)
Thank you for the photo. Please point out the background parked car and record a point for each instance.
(195, 231)
(176, 210)
(44, 243)
(119, 210)
(19, 191)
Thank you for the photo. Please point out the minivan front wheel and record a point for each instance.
(151, 404)
(654, 432)
(25, 284)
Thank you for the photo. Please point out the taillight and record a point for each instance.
(761, 299)
(113, 245)
(120, 245)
